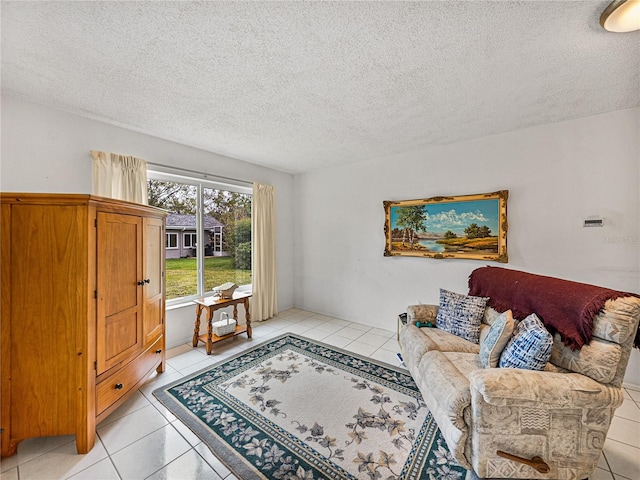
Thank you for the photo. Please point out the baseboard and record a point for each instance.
(631, 386)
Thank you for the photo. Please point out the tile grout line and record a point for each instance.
(606, 460)
(172, 461)
(144, 436)
(623, 443)
(212, 467)
(108, 456)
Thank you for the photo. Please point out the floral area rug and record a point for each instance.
(293, 408)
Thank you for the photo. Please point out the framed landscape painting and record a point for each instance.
(465, 226)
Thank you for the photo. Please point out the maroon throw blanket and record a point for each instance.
(566, 307)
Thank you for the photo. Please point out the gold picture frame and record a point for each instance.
(464, 226)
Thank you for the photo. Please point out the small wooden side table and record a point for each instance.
(211, 304)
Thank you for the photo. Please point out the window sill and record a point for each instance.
(189, 303)
(175, 306)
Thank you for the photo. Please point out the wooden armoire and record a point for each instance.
(82, 311)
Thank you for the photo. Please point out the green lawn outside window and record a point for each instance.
(182, 278)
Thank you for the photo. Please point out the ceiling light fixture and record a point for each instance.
(621, 16)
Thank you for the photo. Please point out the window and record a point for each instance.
(215, 222)
(171, 240)
(190, 240)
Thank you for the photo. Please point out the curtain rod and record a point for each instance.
(205, 175)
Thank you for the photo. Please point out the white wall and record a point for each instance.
(556, 176)
(46, 150)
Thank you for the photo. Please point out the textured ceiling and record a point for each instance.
(303, 85)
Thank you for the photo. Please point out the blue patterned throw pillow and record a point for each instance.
(530, 346)
(461, 314)
(494, 342)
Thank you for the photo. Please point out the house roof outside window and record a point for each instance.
(177, 220)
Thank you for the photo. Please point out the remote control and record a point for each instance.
(401, 360)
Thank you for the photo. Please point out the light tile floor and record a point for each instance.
(143, 440)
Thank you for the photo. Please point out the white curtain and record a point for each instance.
(263, 225)
(119, 176)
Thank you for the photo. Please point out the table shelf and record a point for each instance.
(215, 338)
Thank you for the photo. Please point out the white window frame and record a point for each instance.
(206, 181)
(193, 240)
(167, 242)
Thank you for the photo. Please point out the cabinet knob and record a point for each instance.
(158, 352)
(146, 280)
(141, 283)
(119, 386)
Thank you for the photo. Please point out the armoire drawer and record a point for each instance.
(111, 389)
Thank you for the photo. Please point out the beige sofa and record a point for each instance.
(561, 414)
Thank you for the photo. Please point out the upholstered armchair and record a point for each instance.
(518, 423)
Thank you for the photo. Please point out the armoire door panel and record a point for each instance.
(154, 273)
(43, 379)
(120, 288)
(122, 336)
(152, 320)
(5, 331)
(154, 258)
(119, 254)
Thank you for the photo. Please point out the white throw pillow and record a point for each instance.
(493, 343)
